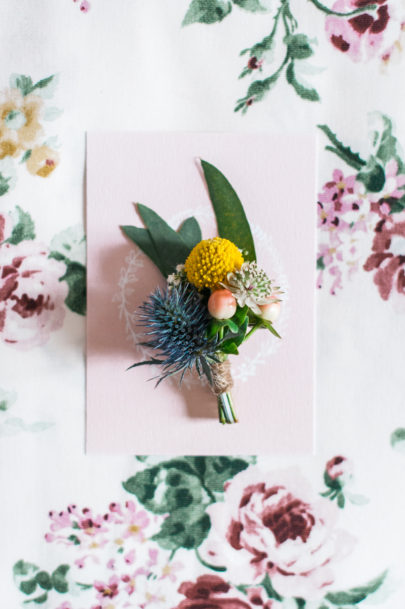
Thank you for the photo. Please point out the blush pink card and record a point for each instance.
(274, 176)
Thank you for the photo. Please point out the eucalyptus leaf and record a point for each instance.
(190, 232)
(141, 237)
(231, 218)
(173, 250)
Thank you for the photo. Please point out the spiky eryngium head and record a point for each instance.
(176, 321)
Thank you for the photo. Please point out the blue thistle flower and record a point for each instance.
(176, 320)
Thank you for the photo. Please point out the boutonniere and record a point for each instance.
(216, 295)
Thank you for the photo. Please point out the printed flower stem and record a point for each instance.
(329, 11)
(207, 564)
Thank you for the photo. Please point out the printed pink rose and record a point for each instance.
(31, 295)
(211, 592)
(275, 524)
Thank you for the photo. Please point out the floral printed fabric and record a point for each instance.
(176, 532)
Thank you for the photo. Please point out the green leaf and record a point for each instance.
(398, 439)
(240, 315)
(4, 185)
(373, 176)
(23, 230)
(183, 529)
(41, 84)
(22, 568)
(207, 11)
(231, 218)
(387, 142)
(396, 205)
(141, 237)
(44, 580)
(214, 327)
(341, 500)
(58, 579)
(252, 6)
(298, 46)
(75, 277)
(269, 326)
(320, 264)
(26, 156)
(24, 83)
(229, 347)
(218, 470)
(190, 232)
(309, 94)
(358, 594)
(39, 599)
(29, 586)
(332, 483)
(344, 152)
(171, 247)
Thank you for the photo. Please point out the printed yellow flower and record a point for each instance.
(42, 161)
(210, 261)
(19, 121)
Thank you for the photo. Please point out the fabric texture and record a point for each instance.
(314, 532)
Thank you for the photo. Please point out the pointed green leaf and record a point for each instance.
(141, 237)
(231, 218)
(28, 586)
(58, 579)
(252, 6)
(4, 185)
(75, 277)
(38, 600)
(304, 92)
(240, 315)
(358, 594)
(171, 247)
(344, 152)
(269, 326)
(190, 232)
(229, 347)
(373, 176)
(22, 568)
(398, 439)
(24, 229)
(207, 11)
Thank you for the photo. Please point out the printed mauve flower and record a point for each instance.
(210, 592)
(275, 524)
(360, 34)
(31, 295)
(19, 121)
(339, 467)
(388, 257)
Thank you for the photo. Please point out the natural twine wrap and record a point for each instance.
(221, 377)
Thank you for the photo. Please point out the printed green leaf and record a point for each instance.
(141, 237)
(398, 439)
(24, 229)
(38, 600)
(320, 264)
(344, 152)
(183, 529)
(252, 6)
(396, 205)
(332, 483)
(58, 579)
(386, 142)
(190, 232)
(207, 11)
(304, 92)
(358, 594)
(41, 84)
(4, 185)
(29, 586)
(26, 156)
(24, 83)
(183, 488)
(231, 218)
(43, 580)
(259, 48)
(172, 248)
(373, 176)
(22, 568)
(75, 277)
(298, 46)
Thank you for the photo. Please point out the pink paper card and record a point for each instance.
(274, 177)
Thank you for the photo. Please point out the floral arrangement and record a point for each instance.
(216, 296)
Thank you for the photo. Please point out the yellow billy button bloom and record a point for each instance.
(210, 261)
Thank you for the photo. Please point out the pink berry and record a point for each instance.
(270, 311)
(85, 6)
(222, 304)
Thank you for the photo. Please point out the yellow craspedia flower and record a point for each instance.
(210, 261)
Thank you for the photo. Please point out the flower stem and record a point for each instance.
(251, 331)
(329, 11)
(226, 412)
